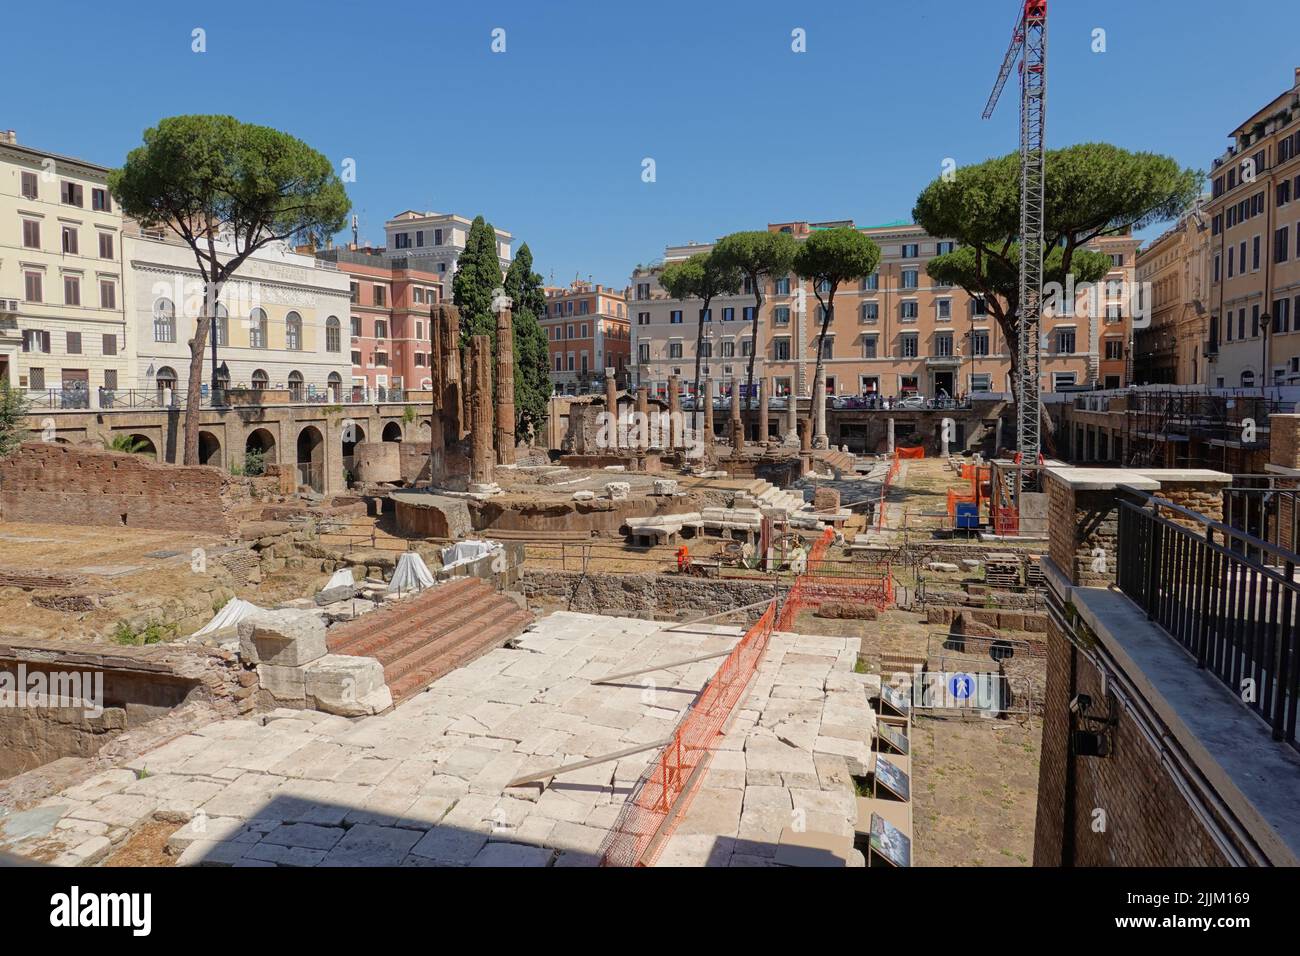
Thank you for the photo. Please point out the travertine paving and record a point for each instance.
(425, 784)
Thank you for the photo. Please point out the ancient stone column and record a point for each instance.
(766, 390)
(805, 446)
(449, 381)
(819, 409)
(505, 412)
(706, 396)
(791, 437)
(611, 408)
(737, 424)
(480, 392)
(674, 414)
(889, 436)
(643, 418)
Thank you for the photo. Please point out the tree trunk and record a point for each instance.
(193, 390)
(753, 351)
(828, 315)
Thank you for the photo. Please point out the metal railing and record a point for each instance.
(1228, 597)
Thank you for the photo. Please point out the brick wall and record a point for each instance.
(1080, 521)
(67, 484)
(1284, 440)
(1147, 821)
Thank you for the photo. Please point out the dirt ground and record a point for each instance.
(145, 847)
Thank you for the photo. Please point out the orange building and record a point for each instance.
(588, 330)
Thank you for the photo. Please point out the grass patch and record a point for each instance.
(152, 633)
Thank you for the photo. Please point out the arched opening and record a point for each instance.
(141, 445)
(392, 432)
(165, 380)
(296, 391)
(221, 325)
(260, 379)
(311, 458)
(257, 329)
(335, 383)
(164, 321)
(259, 451)
(333, 339)
(209, 449)
(352, 433)
(293, 331)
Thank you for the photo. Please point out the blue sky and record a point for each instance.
(547, 139)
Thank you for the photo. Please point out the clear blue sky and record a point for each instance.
(547, 138)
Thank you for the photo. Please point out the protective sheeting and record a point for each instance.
(342, 579)
(411, 574)
(234, 611)
(463, 552)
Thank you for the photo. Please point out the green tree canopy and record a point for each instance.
(13, 423)
(1091, 190)
(532, 351)
(827, 259)
(703, 276)
(211, 178)
(478, 276)
(757, 255)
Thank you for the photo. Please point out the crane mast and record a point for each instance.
(1029, 46)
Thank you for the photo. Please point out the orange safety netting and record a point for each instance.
(916, 451)
(955, 498)
(884, 490)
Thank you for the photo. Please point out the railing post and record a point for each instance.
(1153, 563)
(1283, 693)
(1207, 569)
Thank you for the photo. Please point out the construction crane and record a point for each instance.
(1029, 47)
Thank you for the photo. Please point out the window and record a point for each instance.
(559, 362)
(36, 340)
(728, 315)
(728, 350)
(418, 295)
(36, 378)
(293, 331)
(871, 283)
(1062, 380)
(944, 309)
(260, 379)
(981, 382)
(32, 287)
(674, 350)
(978, 306)
(380, 359)
(1254, 257)
(257, 329)
(1117, 260)
(29, 187)
(781, 286)
(907, 311)
(71, 290)
(70, 194)
(402, 240)
(643, 318)
(943, 344)
(221, 325)
(643, 352)
(419, 237)
(910, 277)
(110, 378)
(1114, 349)
(105, 245)
(100, 200)
(381, 328)
(1065, 341)
(381, 295)
(781, 315)
(675, 317)
(747, 313)
(869, 346)
(706, 349)
(910, 250)
(437, 237)
(1281, 244)
(870, 311)
(781, 349)
(110, 344)
(107, 294)
(582, 331)
(583, 307)
(69, 240)
(164, 321)
(979, 342)
(333, 339)
(909, 344)
(74, 343)
(355, 291)
(356, 326)
(356, 357)
(31, 234)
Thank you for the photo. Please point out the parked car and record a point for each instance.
(911, 401)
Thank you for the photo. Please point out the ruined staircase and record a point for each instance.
(424, 637)
(841, 463)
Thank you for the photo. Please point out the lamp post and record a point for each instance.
(1265, 327)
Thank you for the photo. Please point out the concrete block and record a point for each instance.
(286, 638)
(345, 685)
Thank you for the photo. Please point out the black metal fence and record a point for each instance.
(1226, 596)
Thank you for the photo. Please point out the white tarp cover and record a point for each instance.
(411, 574)
(234, 611)
(463, 552)
(342, 579)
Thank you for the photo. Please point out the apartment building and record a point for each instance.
(433, 241)
(894, 333)
(1174, 270)
(1254, 213)
(280, 320)
(390, 334)
(63, 331)
(588, 330)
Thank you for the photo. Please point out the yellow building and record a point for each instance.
(1174, 271)
(63, 333)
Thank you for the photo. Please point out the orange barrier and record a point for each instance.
(884, 490)
(916, 451)
(662, 794)
(955, 498)
(1006, 520)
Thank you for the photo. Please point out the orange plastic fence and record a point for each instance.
(884, 490)
(1006, 520)
(954, 498)
(916, 451)
(653, 810)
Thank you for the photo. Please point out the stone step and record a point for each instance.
(360, 637)
(476, 606)
(414, 673)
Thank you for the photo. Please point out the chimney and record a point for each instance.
(10, 137)
(1297, 83)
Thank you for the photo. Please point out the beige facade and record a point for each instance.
(1174, 270)
(433, 241)
(63, 333)
(587, 330)
(895, 333)
(1254, 213)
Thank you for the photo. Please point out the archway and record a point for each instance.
(311, 458)
(142, 445)
(209, 449)
(393, 432)
(259, 451)
(352, 434)
(335, 382)
(165, 380)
